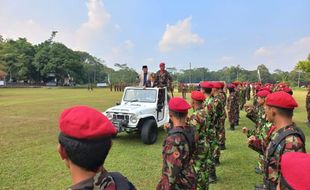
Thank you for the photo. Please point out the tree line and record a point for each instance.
(25, 62)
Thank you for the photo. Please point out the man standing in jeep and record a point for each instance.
(84, 143)
(282, 137)
(163, 77)
(178, 172)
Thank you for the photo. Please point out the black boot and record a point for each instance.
(232, 127)
(222, 147)
(212, 177)
(217, 161)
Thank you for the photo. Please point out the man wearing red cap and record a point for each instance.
(308, 104)
(178, 149)
(84, 143)
(218, 117)
(198, 121)
(232, 107)
(222, 135)
(262, 126)
(206, 89)
(283, 137)
(295, 175)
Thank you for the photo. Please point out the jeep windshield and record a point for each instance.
(140, 95)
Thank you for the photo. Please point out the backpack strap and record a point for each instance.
(188, 136)
(282, 136)
(121, 182)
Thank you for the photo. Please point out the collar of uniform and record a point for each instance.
(88, 183)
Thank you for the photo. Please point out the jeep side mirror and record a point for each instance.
(118, 103)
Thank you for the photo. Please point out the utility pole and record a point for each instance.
(299, 71)
(190, 72)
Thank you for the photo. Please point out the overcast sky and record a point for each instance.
(207, 33)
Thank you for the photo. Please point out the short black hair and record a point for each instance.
(285, 112)
(231, 90)
(207, 90)
(87, 154)
(178, 115)
(144, 66)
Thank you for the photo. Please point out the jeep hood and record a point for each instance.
(131, 108)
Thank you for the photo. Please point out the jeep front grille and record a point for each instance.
(120, 117)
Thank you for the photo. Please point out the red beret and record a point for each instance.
(265, 88)
(287, 89)
(236, 83)
(206, 84)
(231, 86)
(295, 167)
(282, 100)
(222, 84)
(197, 95)
(179, 105)
(217, 85)
(162, 64)
(263, 93)
(83, 122)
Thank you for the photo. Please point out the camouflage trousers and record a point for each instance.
(211, 161)
(221, 132)
(201, 167)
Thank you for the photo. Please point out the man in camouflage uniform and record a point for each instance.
(238, 99)
(232, 107)
(178, 171)
(198, 121)
(84, 143)
(206, 88)
(163, 77)
(282, 137)
(222, 135)
(262, 126)
(218, 119)
(308, 104)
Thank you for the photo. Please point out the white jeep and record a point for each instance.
(141, 110)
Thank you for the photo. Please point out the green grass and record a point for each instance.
(28, 140)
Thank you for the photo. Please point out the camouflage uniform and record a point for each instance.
(248, 92)
(210, 116)
(163, 79)
(178, 172)
(222, 136)
(291, 143)
(308, 106)
(238, 100)
(232, 108)
(262, 126)
(202, 154)
(218, 122)
(101, 181)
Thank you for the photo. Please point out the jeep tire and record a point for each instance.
(149, 132)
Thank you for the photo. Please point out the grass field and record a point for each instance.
(28, 139)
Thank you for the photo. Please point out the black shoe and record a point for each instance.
(232, 127)
(212, 179)
(217, 161)
(222, 147)
(258, 170)
(260, 187)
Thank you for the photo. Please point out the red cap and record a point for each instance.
(282, 100)
(222, 84)
(162, 64)
(231, 86)
(265, 88)
(179, 105)
(295, 167)
(263, 93)
(197, 95)
(217, 85)
(236, 83)
(287, 89)
(83, 122)
(206, 84)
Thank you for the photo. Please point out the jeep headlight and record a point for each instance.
(109, 116)
(133, 119)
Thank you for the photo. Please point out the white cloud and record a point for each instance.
(179, 35)
(283, 56)
(262, 52)
(93, 28)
